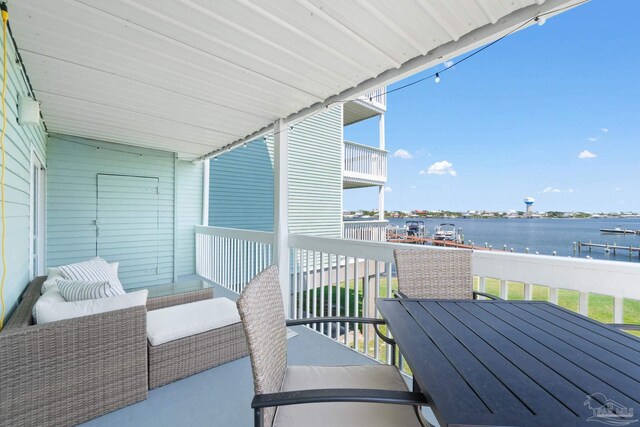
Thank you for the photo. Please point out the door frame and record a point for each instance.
(37, 216)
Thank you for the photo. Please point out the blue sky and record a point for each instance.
(551, 112)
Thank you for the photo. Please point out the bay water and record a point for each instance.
(542, 235)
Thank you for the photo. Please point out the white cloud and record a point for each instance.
(442, 168)
(605, 130)
(403, 154)
(448, 63)
(422, 173)
(413, 187)
(570, 190)
(586, 154)
(617, 189)
(388, 189)
(551, 190)
(592, 139)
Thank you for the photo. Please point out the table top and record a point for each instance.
(526, 363)
(177, 288)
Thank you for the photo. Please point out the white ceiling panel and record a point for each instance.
(197, 76)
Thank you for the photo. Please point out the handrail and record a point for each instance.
(265, 237)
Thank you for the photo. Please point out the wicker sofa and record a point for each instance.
(70, 371)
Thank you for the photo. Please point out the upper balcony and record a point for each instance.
(364, 166)
(366, 106)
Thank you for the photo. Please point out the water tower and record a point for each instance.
(528, 201)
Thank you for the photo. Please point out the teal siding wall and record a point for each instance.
(189, 213)
(20, 143)
(74, 164)
(315, 169)
(241, 188)
(241, 181)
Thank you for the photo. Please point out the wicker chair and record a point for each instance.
(435, 274)
(314, 395)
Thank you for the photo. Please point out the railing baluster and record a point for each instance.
(294, 279)
(356, 302)
(504, 291)
(338, 310)
(583, 303)
(618, 308)
(365, 305)
(527, 292)
(388, 274)
(376, 343)
(553, 295)
(346, 297)
(322, 271)
(482, 285)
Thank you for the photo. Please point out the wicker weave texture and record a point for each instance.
(67, 372)
(187, 356)
(22, 317)
(180, 298)
(434, 273)
(262, 313)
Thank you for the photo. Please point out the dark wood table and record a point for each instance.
(516, 363)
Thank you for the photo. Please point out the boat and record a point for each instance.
(415, 228)
(448, 232)
(618, 230)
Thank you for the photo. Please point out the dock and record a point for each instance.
(607, 248)
(419, 240)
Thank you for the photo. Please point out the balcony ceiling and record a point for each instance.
(194, 76)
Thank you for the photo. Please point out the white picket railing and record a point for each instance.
(341, 277)
(231, 257)
(375, 231)
(363, 163)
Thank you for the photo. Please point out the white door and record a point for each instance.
(38, 231)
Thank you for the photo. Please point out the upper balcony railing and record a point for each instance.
(340, 277)
(364, 165)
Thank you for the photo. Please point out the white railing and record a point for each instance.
(377, 96)
(616, 279)
(365, 164)
(340, 277)
(231, 257)
(375, 231)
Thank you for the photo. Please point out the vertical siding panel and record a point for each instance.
(189, 213)
(19, 141)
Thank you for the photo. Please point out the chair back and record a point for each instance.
(434, 273)
(262, 313)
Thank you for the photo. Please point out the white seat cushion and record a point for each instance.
(184, 320)
(51, 310)
(382, 377)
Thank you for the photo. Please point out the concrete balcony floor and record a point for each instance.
(222, 396)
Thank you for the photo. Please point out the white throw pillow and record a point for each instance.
(51, 295)
(54, 274)
(80, 290)
(52, 311)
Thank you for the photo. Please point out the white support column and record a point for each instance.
(281, 207)
(205, 193)
(381, 188)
